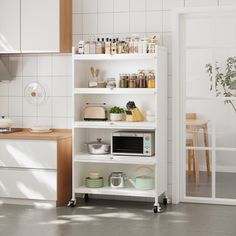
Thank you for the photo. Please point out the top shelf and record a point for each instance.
(116, 57)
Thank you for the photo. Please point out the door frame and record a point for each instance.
(178, 108)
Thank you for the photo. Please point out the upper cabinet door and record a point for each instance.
(40, 25)
(9, 26)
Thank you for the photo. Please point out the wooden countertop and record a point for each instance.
(56, 134)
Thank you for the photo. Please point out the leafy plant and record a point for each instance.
(224, 83)
(116, 110)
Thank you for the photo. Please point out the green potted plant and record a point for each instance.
(116, 113)
(224, 83)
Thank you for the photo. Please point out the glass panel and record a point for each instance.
(196, 165)
(212, 117)
(226, 174)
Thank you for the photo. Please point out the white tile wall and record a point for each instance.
(90, 17)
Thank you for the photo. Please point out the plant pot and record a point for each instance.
(116, 117)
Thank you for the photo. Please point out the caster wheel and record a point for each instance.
(86, 197)
(71, 203)
(155, 209)
(165, 201)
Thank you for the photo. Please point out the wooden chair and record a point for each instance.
(193, 125)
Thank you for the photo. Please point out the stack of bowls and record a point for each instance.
(94, 180)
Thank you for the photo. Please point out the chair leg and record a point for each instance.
(196, 164)
(189, 162)
(207, 151)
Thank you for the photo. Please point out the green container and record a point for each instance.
(94, 183)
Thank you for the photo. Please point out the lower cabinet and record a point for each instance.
(28, 184)
(36, 170)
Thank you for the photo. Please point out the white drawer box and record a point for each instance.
(40, 154)
(28, 184)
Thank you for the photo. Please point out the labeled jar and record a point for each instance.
(151, 79)
(111, 83)
(123, 81)
(132, 81)
(86, 47)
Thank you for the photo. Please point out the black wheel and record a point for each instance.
(86, 197)
(155, 209)
(71, 203)
(165, 201)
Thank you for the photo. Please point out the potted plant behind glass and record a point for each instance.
(116, 113)
(224, 83)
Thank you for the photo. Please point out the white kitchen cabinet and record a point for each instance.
(154, 99)
(35, 26)
(9, 26)
(40, 25)
(28, 154)
(28, 184)
(35, 168)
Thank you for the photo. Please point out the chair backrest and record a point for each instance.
(191, 116)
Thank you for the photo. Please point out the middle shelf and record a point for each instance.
(115, 125)
(88, 158)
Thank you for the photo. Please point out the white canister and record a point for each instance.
(150, 116)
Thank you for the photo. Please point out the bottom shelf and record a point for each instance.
(117, 191)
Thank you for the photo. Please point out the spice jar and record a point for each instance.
(123, 81)
(111, 83)
(86, 47)
(151, 79)
(132, 81)
(141, 80)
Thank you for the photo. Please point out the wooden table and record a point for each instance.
(193, 127)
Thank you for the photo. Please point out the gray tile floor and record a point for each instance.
(118, 218)
(224, 187)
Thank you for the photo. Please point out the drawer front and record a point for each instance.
(28, 153)
(28, 184)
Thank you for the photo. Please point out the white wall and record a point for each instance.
(99, 18)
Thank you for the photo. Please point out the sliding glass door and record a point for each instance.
(208, 106)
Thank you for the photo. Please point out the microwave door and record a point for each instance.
(123, 145)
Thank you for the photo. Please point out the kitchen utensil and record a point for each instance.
(94, 183)
(92, 71)
(35, 93)
(142, 182)
(117, 180)
(97, 71)
(95, 111)
(98, 148)
(5, 123)
(133, 114)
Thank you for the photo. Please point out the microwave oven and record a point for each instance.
(133, 143)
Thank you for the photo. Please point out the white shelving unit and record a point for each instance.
(86, 131)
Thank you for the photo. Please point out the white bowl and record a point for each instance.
(116, 117)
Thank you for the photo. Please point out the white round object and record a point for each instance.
(40, 129)
(35, 93)
(5, 123)
(94, 175)
(150, 118)
(116, 117)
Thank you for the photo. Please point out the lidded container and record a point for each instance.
(132, 81)
(151, 79)
(141, 79)
(123, 81)
(98, 148)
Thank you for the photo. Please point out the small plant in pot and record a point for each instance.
(116, 113)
